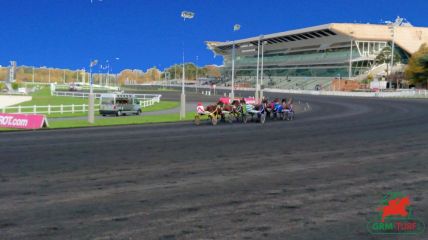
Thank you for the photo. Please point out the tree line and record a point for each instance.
(417, 69)
(52, 75)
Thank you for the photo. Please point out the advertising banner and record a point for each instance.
(22, 121)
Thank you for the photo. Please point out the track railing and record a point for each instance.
(396, 94)
(402, 93)
(145, 100)
(155, 97)
(48, 109)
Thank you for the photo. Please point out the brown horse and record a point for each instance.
(213, 109)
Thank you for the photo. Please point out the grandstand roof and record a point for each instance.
(408, 38)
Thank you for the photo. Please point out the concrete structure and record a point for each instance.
(313, 57)
(11, 76)
(10, 100)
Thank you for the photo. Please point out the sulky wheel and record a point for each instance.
(230, 119)
(214, 120)
(197, 120)
(244, 118)
(263, 118)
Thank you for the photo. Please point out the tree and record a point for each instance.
(212, 71)
(152, 74)
(417, 69)
(2, 85)
(15, 86)
(385, 56)
(131, 76)
(368, 79)
(176, 71)
(191, 71)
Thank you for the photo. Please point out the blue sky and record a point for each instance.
(145, 33)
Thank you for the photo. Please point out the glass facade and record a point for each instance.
(329, 63)
(293, 59)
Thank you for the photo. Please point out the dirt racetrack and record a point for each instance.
(318, 177)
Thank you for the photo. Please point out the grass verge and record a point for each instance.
(44, 98)
(162, 105)
(114, 121)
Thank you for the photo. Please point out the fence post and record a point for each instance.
(62, 109)
(49, 109)
(4, 109)
(35, 109)
(19, 109)
(83, 108)
(72, 108)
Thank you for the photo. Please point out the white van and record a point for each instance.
(119, 104)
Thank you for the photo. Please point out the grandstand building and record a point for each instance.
(314, 56)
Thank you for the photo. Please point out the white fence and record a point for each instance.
(142, 97)
(61, 109)
(73, 94)
(49, 109)
(397, 94)
(146, 100)
(86, 86)
(402, 93)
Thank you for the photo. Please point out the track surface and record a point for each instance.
(318, 177)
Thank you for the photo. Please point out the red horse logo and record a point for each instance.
(395, 207)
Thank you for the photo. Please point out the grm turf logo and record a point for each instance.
(395, 217)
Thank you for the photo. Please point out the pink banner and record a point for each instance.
(22, 121)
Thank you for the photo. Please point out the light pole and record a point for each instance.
(196, 77)
(392, 28)
(102, 79)
(163, 82)
(33, 75)
(185, 15)
(257, 71)
(262, 69)
(108, 73)
(110, 68)
(83, 72)
(350, 57)
(236, 28)
(91, 114)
